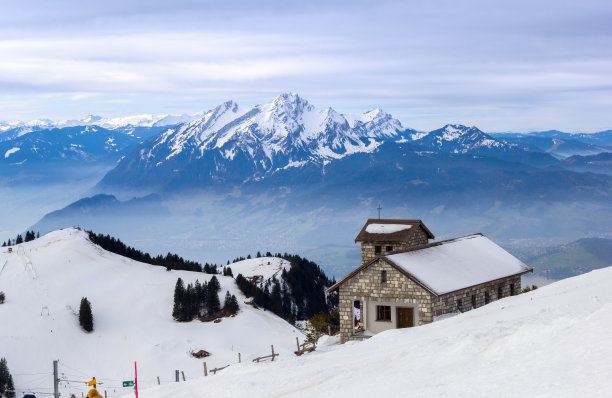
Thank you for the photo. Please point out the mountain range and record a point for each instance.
(288, 160)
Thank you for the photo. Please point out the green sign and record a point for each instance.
(129, 383)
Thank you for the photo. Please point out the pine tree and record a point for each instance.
(2, 297)
(37, 235)
(85, 315)
(230, 305)
(6, 380)
(213, 305)
(179, 292)
(19, 239)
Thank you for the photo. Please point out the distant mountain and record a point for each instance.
(456, 138)
(560, 144)
(10, 130)
(233, 145)
(84, 210)
(600, 163)
(575, 258)
(81, 144)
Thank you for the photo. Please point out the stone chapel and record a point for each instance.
(405, 281)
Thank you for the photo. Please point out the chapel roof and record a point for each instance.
(451, 265)
(390, 230)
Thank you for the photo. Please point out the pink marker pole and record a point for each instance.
(136, 379)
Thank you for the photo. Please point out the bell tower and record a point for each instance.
(379, 237)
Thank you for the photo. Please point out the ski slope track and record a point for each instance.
(44, 281)
(552, 342)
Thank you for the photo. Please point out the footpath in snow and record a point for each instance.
(551, 342)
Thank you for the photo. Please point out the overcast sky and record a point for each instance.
(503, 66)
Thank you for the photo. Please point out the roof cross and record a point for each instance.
(379, 209)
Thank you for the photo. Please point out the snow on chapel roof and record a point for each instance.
(390, 230)
(451, 265)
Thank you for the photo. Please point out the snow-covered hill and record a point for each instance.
(264, 267)
(44, 281)
(551, 342)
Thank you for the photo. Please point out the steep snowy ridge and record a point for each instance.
(286, 132)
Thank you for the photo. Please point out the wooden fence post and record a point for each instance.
(176, 375)
(158, 383)
(297, 340)
(329, 330)
(272, 351)
(183, 373)
(205, 370)
(105, 394)
(239, 358)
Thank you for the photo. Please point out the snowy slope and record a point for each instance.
(552, 342)
(44, 281)
(267, 267)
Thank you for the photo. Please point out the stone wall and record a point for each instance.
(366, 286)
(451, 303)
(417, 238)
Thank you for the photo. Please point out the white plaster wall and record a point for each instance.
(375, 326)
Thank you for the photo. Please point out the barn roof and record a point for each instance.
(448, 266)
(390, 230)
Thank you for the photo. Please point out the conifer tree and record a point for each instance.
(85, 315)
(230, 304)
(179, 292)
(2, 297)
(213, 304)
(6, 380)
(19, 239)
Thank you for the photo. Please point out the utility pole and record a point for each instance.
(55, 380)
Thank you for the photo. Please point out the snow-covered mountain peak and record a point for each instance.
(458, 138)
(286, 132)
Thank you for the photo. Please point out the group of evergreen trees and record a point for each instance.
(6, 380)
(227, 271)
(201, 301)
(170, 261)
(29, 235)
(300, 293)
(85, 315)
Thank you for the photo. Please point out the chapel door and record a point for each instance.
(405, 318)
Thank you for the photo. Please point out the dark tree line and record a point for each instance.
(6, 380)
(298, 295)
(201, 301)
(170, 261)
(29, 235)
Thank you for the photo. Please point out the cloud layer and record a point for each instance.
(515, 66)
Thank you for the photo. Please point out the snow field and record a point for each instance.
(132, 306)
(551, 342)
